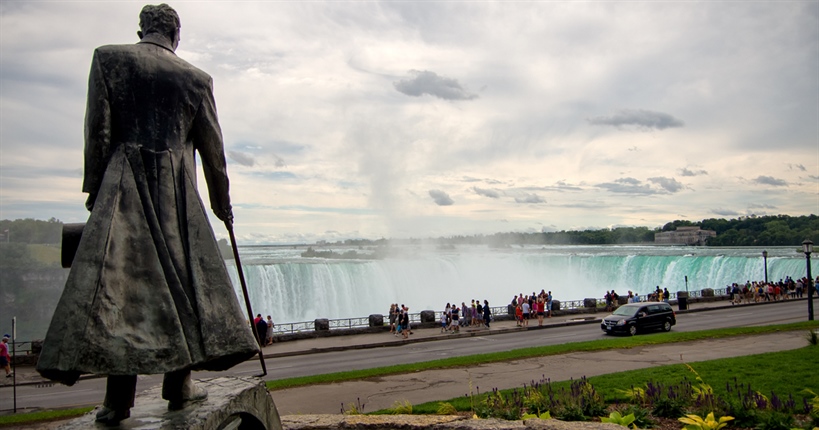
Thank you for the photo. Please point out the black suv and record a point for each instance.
(634, 317)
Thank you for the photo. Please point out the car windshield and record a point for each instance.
(625, 311)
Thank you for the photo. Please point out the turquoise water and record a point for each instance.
(291, 288)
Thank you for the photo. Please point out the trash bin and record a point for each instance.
(682, 300)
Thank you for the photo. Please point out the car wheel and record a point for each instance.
(667, 326)
(632, 330)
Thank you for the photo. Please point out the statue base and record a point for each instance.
(233, 403)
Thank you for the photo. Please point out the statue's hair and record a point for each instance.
(160, 19)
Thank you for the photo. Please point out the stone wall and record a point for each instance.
(423, 422)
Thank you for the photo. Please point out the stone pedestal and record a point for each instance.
(322, 324)
(232, 403)
(376, 320)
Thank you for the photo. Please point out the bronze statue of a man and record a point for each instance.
(148, 290)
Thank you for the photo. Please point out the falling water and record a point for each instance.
(291, 288)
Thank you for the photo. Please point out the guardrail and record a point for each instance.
(24, 348)
(366, 322)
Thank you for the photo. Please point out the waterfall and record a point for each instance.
(291, 288)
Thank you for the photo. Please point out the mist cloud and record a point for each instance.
(426, 82)
(440, 198)
(643, 119)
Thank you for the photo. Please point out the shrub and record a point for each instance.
(445, 408)
(776, 421)
(642, 417)
(356, 408)
(616, 418)
(695, 422)
(402, 408)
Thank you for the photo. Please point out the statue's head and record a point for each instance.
(161, 20)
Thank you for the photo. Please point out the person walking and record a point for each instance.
(405, 323)
(270, 326)
(549, 304)
(487, 313)
(5, 358)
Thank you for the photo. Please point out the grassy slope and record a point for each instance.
(783, 373)
(714, 372)
(517, 354)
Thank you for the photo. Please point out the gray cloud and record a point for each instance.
(627, 186)
(440, 198)
(278, 161)
(642, 119)
(486, 192)
(770, 180)
(799, 167)
(242, 158)
(687, 172)
(426, 82)
(761, 206)
(724, 212)
(530, 199)
(669, 184)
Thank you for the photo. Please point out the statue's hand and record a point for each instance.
(226, 216)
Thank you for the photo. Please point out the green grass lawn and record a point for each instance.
(767, 372)
(783, 373)
(517, 354)
(41, 416)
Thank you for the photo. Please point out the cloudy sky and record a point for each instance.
(433, 118)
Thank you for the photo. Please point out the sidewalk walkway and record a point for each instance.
(386, 339)
(27, 375)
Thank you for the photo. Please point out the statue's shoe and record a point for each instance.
(112, 417)
(193, 393)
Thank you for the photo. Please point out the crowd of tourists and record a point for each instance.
(476, 314)
(759, 291)
(400, 320)
(532, 306)
(264, 328)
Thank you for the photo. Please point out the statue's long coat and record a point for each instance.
(148, 291)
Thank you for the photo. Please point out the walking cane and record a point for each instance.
(229, 226)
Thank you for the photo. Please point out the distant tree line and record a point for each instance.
(31, 231)
(772, 230)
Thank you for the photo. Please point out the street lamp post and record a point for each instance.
(765, 259)
(807, 248)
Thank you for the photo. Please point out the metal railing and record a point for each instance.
(364, 322)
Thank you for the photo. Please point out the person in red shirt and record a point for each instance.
(518, 315)
(5, 358)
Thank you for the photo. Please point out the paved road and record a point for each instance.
(304, 357)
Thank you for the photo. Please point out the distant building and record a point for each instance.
(684, 236)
